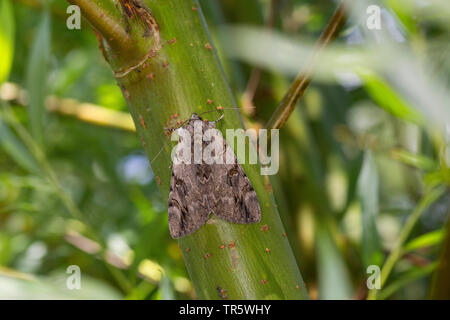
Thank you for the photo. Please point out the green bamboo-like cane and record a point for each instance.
(165, 77)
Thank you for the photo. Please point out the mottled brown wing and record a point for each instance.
(188, 203)
(233, 198)
(196, 190)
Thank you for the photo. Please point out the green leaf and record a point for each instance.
(7, 31)
(406, 278)
(428, 199)
(387, 98)
(54, 288)
(405, 11)
(426, 240)
(37, 74)
(334, 279)
(15, 148)
(414, 160)
(141, 291)
(166, 290)
(368, 185)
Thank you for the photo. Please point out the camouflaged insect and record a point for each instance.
(197, 190)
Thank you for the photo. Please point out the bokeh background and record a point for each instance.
(365, 157)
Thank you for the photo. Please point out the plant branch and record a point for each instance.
(256, 74)
(86, 112)
(102, 15)
(106, 20)
(301, 83)
(397, 252)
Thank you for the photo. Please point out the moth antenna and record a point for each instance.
(220, 118)
(168, 141)
(159, 152)
(218, 110)
(186, 121)
(209, 111)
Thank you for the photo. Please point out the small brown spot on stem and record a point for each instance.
(231, 245)
(187, 249)
(297, 287)
(284, 234)
(264, 281)
(208, 46)
(165, 64)
(172, 41)
(158, 180)
(126, 94)
(222, 246)
(207, 256)
(142, 121)
(222, 293)
(267, 250)
(210, 101)
(264, 228)
(220, 108)
(151, 76)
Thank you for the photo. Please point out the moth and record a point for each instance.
(200, 189)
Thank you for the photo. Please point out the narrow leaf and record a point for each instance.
(387, 98)
(15, 149)
(426, 240)
(334, 279)
(368, 186)
(7, 30)
(408, 277)
(414, 160)
(37, 74)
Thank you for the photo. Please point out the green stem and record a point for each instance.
(397, 252)
(301, 83)
(181, 77)
(106, 20)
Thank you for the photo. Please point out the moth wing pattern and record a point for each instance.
(196, 190)
(188, 207)
(235, 200)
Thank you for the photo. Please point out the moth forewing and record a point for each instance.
(199, 188)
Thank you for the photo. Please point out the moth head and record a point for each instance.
(195, 117)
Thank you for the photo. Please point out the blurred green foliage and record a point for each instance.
(360, 157)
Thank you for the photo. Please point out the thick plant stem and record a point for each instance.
(178, 73)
